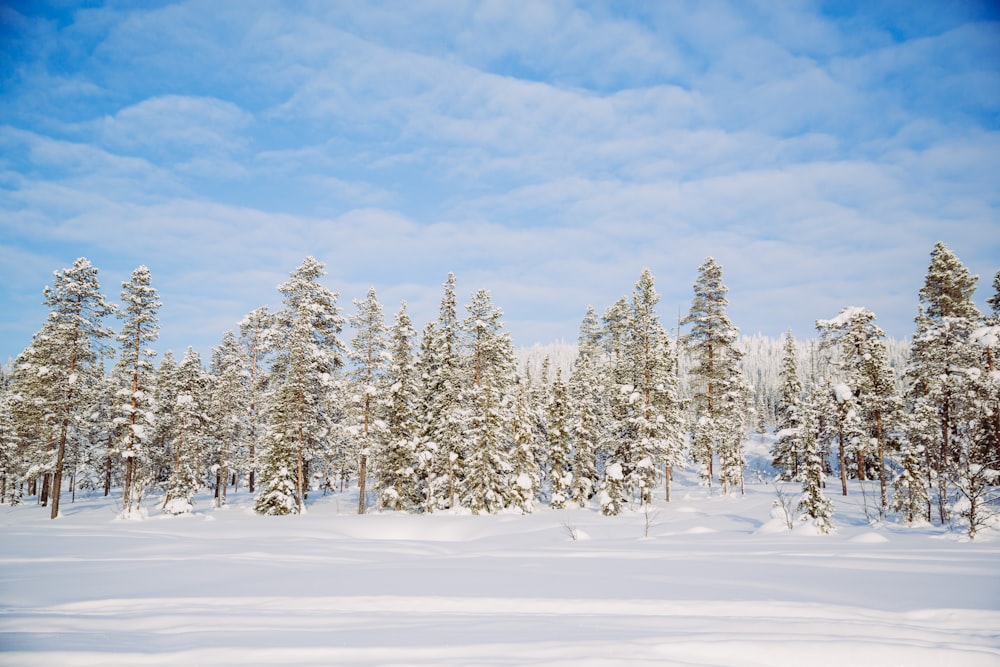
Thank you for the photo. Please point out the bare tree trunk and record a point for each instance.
(107, 470)
(666, 476)
(883, 502)
(843, 461)
(57, 474)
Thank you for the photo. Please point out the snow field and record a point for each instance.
(716, 582)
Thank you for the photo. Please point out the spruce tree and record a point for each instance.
(257, 339)
(491, 367)
(720, 395)
(560, 475)
(228, 407)
(65, 361)
(369, 365)
(525, 460)
(786, 458)
(308, 357)
(190, 435)
(135, 419)
(813, 504)
(397, 465)
(587, 412)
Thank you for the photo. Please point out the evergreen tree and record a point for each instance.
(397, 467)
(11, 460)
(814, 505)
(370, 359)
(787, 459)
(135, 419)
(257, 338)
(560, 474)
(587, 414)
(229, 405)
(939, 374)
(308, 356)
(526, 475)
(64, 362)
(492, 368)
(190, 434)
(164, 432)
(720, 394)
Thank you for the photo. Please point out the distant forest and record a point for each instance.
(456, 418)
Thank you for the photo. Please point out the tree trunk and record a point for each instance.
(362, 474)
(57, 475)
(46, 485)
(107, 471)
(883, 502)
(843, 461)
(666, 476)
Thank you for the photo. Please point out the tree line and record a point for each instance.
(446, 419)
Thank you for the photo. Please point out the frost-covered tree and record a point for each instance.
(369, 358)
(442, 449)
(64, 363)
(397, 465)
(945, 367)
(560, 474)
(190, 434)
(11, 460)
(491, 391)
(135, 418)
(587, 412)
(159, 447)
(257, 338)
(527, 475)
(786, 457)
(228, 407)
(720, 395)
(308, 356)
(813, 504)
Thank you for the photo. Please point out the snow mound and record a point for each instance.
(869, 538)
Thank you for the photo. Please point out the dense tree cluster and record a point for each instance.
(449, 419)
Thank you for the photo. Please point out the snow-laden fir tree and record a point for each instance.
(63, 363)
(813, 505)
(135, 420)
(369, 359)
(397, 465)
(613, 490)
(257, 338)
(560, 474)
(492, 369)
(653, 406)
(228, 407)
(945, 366)
(445, 416)
(911, 499)
(587, 412)
(308, 355)
(158, 448)
(860, 363)
(190, 434)
(11, 460)
(719, 393)
(786, 457)
(527, 475)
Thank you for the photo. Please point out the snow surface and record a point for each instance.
(719, 581)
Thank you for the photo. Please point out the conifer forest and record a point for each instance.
(290, 408)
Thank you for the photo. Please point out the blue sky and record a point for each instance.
(547, 151)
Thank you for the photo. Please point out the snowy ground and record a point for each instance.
(717, 582)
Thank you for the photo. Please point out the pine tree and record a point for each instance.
(787, 459)
(11, 460)
(257, 338)
(159, 449)
(526, 476)
(190, 435)
(720, 394)
(369, 357)
(613, 490)
(942, 356)
(397, 466)
(487, 485)
(228, 407)
(140, 305)
(587, 421)
(309, 354)
(560, 474)
(814, 504)
(65, 360)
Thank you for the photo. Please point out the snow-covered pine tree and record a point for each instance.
(614, 493)
(911, 499)
(135, 419)
(587, 412)
(720, 394)
(308, 357)
(813, 504)
(65, 360)
(492, 369)
(653, 407)
(786, 458)
(257, 338)
(445, 416)
(159, 449)
(945, 364)
(861, 364)
(11, 459)
(560, 475)
(397, 465)
(228, 407)
(369, 358)
(190, 435)
(526, 476)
